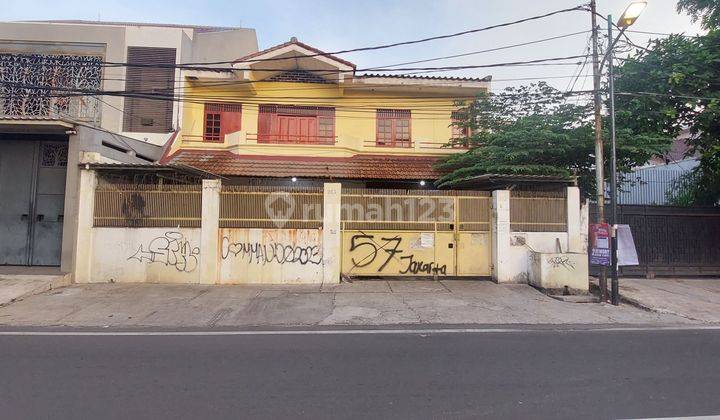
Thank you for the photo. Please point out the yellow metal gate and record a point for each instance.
(415, 233)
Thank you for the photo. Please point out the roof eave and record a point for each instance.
(454, 83)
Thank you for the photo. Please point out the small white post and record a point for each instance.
(84, 241)
(575, 240)
(332, 239)
(501, 272)
(210, 232)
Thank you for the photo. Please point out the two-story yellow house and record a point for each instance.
(292, 113)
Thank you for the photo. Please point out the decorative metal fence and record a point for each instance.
(48, 85)
(147, 205)
(538, 211)
(679, 241)
(415, 210)
(271, 207)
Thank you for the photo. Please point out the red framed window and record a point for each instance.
(221, 119)
(459, 132)
(296, 124)
(393, 128)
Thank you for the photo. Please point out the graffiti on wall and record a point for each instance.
(171, 249)
(265, 253)
(560, 261)
(390, 255)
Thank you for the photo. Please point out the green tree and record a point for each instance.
(533, 130)
(706, 11)
(673, 85)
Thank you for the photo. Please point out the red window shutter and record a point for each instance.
(393, 128)
(211, 121)
(221, 119)
(231, 119)
(308, 130)
(264, 124)
(296, 124)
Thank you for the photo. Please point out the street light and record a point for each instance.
(629, 17)
(631, 13)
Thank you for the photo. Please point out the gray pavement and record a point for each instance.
(696, 299)
(518, 374)
(18, 283)
(360, 303)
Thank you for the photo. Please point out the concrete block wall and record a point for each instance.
(209, 254)
(214, 255)
(512, 251)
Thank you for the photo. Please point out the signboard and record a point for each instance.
(600, 244)
(627, 254)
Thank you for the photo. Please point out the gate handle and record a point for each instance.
(24, 217)
(40, 217)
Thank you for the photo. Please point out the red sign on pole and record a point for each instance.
(600, 244)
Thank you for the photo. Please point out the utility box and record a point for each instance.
(556, 271)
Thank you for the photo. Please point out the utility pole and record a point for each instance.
(599, 160)
(615, 292)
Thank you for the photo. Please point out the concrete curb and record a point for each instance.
(638, 304)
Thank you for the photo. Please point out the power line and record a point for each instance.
(447, 68)
(571, 86)
(662, 33)
(430, 109)
(582, 7)
(416, 61)
(522, 44)
(669, 95)
(370, 69)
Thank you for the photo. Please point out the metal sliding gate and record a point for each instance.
(415, 233)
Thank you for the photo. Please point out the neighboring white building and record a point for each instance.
(88, 49)
(47, 130)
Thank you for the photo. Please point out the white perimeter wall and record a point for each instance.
(169, 255)
(154, 255)
(271, 256)
(521, 245)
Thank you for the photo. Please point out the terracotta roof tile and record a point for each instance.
(356, 167)
(421, 77)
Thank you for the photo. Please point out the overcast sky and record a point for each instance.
(334, 25)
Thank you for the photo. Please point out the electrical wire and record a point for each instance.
(198, 65)
(522, 44)
(669, 95)
(571, 86)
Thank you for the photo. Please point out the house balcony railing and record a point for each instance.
(417, 145)
(35, 85)
(84, 109)
(253, 138)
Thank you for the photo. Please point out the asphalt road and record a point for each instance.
(528, 374)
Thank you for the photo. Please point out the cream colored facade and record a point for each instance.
(354, 98)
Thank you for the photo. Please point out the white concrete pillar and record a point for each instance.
(332, 239)
(584, 226)
(501, 264)
(575, 240)
(70, 207)
(210, 232)
(82, 272)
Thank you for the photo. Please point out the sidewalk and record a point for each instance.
(360, 303)
(693, 299)
(18, 283)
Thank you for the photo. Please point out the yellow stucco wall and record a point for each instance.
(355, 122)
